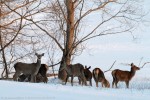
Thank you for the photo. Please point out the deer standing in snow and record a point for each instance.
(28, 69)
(125, 76)
(76, 70)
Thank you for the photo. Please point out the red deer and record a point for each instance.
(41, 76)
(88, 75)
(76, 70)
(28, 69)
(98, 76)
(126, 76)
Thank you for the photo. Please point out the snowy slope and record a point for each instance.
(54, 90)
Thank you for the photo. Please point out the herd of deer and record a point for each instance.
(36, 72)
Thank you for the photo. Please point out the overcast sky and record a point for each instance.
(103, 51)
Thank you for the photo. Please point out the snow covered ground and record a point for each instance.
(55, 90)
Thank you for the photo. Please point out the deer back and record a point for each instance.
(121, 75)
(98, 74)
(76, 69)
(24, 67)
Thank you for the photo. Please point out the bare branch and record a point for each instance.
(62, 11)
(110, 67)
(31, 20)
(20, 27)
(140, 61)
(144, 64)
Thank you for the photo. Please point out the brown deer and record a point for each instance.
(98, 76)
(28, 69)
(126, 76)
(88, 75)
(41, 76)
(76, 70)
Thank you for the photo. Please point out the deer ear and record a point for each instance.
(132, 64)
(85, 67)
(89, 67)
(42, 54)
(36, 54)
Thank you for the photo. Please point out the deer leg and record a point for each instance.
(33, 78)
(113, 84)
(90, 82)
(79, 80)
(16, 76)
(72, 80)
(45, 80)
(66, 79)
(108, 85)
(102, 84)
(84, 80)
(127, 84)
(96, 83)
(116, 82)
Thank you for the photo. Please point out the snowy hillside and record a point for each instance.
(54, 90)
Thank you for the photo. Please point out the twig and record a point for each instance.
(140, 61)
(54, 64)
(110, 67)
(144, 64)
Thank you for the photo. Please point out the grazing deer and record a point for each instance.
(126, 76)
(98, 76)
(88, 75)
(76, 70)
(41, 76)
(28, 69)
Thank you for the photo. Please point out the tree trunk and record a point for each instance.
(3, 56)
(67, 53)
(3, 51)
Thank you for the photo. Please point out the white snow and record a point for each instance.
(55, 90)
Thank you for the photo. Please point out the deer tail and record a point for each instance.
(95, 74)
(113, 74)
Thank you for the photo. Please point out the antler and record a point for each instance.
(110, 67)
(144, 64)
